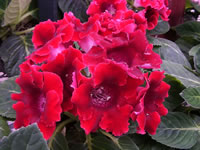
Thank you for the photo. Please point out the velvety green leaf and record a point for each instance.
(169, 51)
(145, 142)
(76, 137)
(194, 50)
(177, 130)
(186, 43)
(192, 96)
(196, 146)
(59, 142)
(6, 88)
(78, 7)
(126, 143)
(174, 99)
(161, 28)
(4, 128)
(13, 52)
(103, 143)
(181, 73)
(29, 138)
(15, 10)
(197, 61)
(190, 28)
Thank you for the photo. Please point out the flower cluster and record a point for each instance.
(103, 81)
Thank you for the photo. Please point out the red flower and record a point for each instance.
(101, 100)
(43, 33)
(111, 6)
(153, 8)
(150, 106)
(152, 16)
(50, 39)
(67, 65)
(39, 101)
(134, 53)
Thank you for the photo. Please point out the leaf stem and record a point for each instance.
(4, 33)
(114, 139)
(192, 71)
(59, 129)
(24, 31)
(89, 141)
(68, 114)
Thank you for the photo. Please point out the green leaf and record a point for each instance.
(6, 88)
(194, 50)
(192, 96)
(196, 146)
(59, 142)
(13, 52)
(103, 143)
(186, 43)
(126, 143)
(197, 61)
(169, 51)
(145, 142)
(122, 143)
(190, 28)
(161, 28)
(14, 11)
(4, 128)
(29, 138)
(76, 137)
(181, 73)
(78, 7)
(174, 99)
(177, 130)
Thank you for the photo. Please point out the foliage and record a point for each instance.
(180, 129)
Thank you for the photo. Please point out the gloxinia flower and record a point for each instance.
(39, 101)
(101, 100)
(67, 66)
(153, 8)
(111, 6)
(152, 17)
(134, 53)
(50, 39)
(150, 106)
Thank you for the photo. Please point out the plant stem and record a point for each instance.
(114, 139)
(59, 129)
(192, 71)
(4, 33)
(24, 31)
(68, 114)
(89, 141)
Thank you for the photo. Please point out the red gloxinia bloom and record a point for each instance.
(50, 39)
(151, 106)
(43, 33)
(39, 101)
(152, 17)
(134, 53)
(111, 6)
(160, 5)
(101, 100)
(67, 66)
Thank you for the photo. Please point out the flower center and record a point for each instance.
(102, 97)
(42, 103)
(108, 7)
